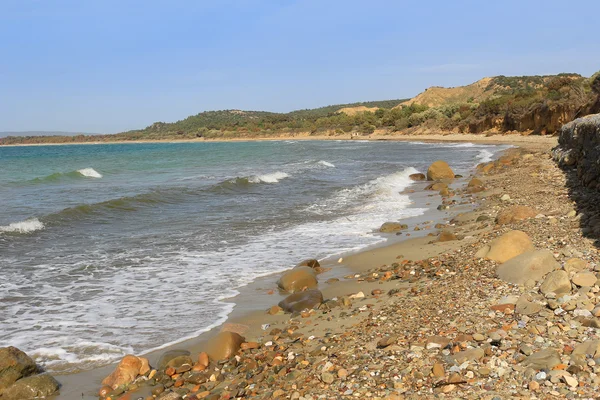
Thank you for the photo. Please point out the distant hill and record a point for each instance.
(42, 133)
(524, 104)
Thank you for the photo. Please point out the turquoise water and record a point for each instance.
(113, 249)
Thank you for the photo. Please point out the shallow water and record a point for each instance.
(112, 249)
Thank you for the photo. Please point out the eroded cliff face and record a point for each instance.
(542, 120)
(579, 147)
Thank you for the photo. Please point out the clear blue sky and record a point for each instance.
(113, 65)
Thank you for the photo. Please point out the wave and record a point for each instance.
(485, 156)
(27, 226)
(57, 177)
(246, 181)
(90, 173)
(274, 177)
(327, 164)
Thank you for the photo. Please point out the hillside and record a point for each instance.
(524, 104)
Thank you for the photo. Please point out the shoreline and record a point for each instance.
(253, 316)
(411, 248)
(516, 139)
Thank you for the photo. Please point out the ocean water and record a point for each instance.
(113, 249)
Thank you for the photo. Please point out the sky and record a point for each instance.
(107, 66)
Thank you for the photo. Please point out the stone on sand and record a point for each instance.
(417, 177)
(446, 236)
(224, 346)
(14, 365)
(544, 359)
(509, 245)
(31, 387)
(298, 279)
(584, 279)
(556, 282)
(514, 214)
(439, 170)
(126, 371)
(302, 300)
(527, 268)
(389, 227)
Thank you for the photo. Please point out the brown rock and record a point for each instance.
(126, 371)
(389, 227)
(509, 245)
(446, 236)
(475, 182)
(298, 302)
(528, 268)
(249, 345)
(417, 177)
(514, 214)
(437, 186)
(31, 387)
(439, 170)
(275, 310)
(584, 279)
(298, 279)
(224, 346)
(311, 262)
(386, 341)
(575, 265)
(14, 365)
(556, 282)
(438, 370)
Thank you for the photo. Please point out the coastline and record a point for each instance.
(85, 384)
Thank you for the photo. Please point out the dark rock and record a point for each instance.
(302, 300)
(417, 177)
(14, 365)
(31, 387)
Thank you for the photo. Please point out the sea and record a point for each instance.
(112, 249)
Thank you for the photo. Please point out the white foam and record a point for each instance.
(90, 173)
(485, 156)
(28, 226)
(269, 178)
(326, 163)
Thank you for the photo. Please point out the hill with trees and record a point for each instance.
(525, 104)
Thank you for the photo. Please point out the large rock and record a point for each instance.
(589, 348)
(167, 356)
(14, 365)
(417, 177)
(437, 186)
(514, 214)
(298, 279)
(126, 371)
(389, 227)
(301, 301)
(584, 279)
(31, 387)
(446, 236)
(311, 262)
(574, 265)
(556, 282)
(475, 182)
(528, 268)
(507, 246)
(544, 359)
(224, 346)
(439, 170)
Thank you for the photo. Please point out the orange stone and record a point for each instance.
(198, 367)
(249, 345)
(203, 359)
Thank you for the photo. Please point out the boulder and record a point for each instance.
(584, 279)
(544, 359)
(417, 177)
(528, 268)
(556, 282)
(167, 356)
(439, 170)
(126, 371)
(389, 227)
(446, 236)
(224, 346)
(574, 265)
(437, 186)
(31, 387)
(301, 301)
(509, 245)
(475, 182)
(311, 262)
(514, 214)
(14, 365)
(298, 279)
(589, 348)
(527, 305)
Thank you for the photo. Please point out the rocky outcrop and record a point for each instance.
(579, 147)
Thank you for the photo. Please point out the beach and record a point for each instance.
(412, 317)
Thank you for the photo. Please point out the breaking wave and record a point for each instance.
(27, 226)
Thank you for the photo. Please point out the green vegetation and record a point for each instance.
(522, 103)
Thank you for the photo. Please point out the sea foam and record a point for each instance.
(326, 163)
(269, 178)
(27, 226)
(89, 172)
